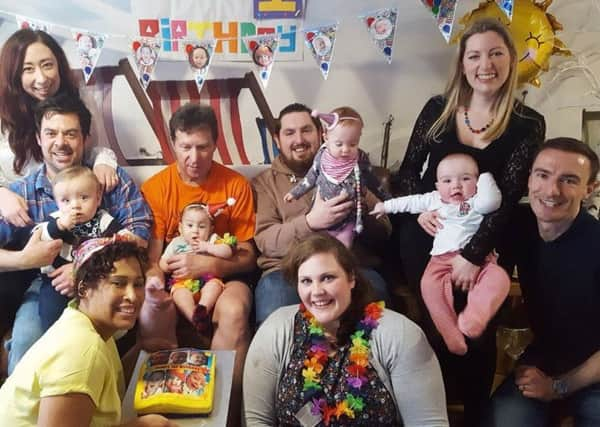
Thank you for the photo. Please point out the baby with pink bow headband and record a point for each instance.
(340, 166)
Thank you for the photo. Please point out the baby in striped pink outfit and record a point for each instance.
(340, 166)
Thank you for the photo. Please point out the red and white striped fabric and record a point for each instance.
(221, 94)
(166, 97)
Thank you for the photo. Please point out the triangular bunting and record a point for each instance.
(433, 6)
(506, 6)
(145, 52)
(34, 24)
(445, 18)
(262, 49)
(321, 41)
(199, 56)
(89, 47)
(381, 25)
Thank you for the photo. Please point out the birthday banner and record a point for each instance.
(227, 22)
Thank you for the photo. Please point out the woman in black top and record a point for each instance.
(479, 115)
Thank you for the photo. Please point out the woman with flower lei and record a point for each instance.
(340, 358)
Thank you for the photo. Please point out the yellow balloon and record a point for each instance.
(533, 31)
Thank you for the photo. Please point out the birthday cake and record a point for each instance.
(180, 381)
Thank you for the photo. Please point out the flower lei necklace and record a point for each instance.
(317, 358)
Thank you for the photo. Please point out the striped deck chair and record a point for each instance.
(162, 98)
(97, 95)
(269, 148)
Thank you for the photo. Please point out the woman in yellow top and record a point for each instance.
(73, 376)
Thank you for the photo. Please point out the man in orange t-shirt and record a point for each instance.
(195, 177)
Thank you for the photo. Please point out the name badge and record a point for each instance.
(306, 417)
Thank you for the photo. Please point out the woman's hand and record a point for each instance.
(430, 222)
(151, 420)
(464, 273)
(154, 420)
(107, 176)
(13, 208)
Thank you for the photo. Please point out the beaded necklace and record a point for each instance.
(358, 227)
(317, 358)
(476, 131)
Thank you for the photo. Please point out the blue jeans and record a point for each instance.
(273, 291)
(509, 407)
(27, 328)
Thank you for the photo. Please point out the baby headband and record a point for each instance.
(331, 119)
(91, 246)
(214, 209)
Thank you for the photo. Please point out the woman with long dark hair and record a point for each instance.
(33, 67)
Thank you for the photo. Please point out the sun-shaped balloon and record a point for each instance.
(534, 33)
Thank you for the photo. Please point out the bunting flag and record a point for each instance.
(381, 25)
(34, 24)
(145, 51)
(199, 56)
(506, 6)
(89, 47)
(433, 6)
(263, 48)
(321, 41)
(445, 18)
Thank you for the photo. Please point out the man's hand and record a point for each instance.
(464, 274)
(38, 253)
(324, 214)
(534, 384)
(63, 280)
(107, 176)
(13, 208)
(188, 265)
(378, 210)
(430, 222)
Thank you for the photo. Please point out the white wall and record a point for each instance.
(359, 76)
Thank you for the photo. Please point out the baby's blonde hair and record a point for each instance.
(73, 172)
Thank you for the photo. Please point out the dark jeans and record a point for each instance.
(13, 284)
(52, 303)
(509, 407)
